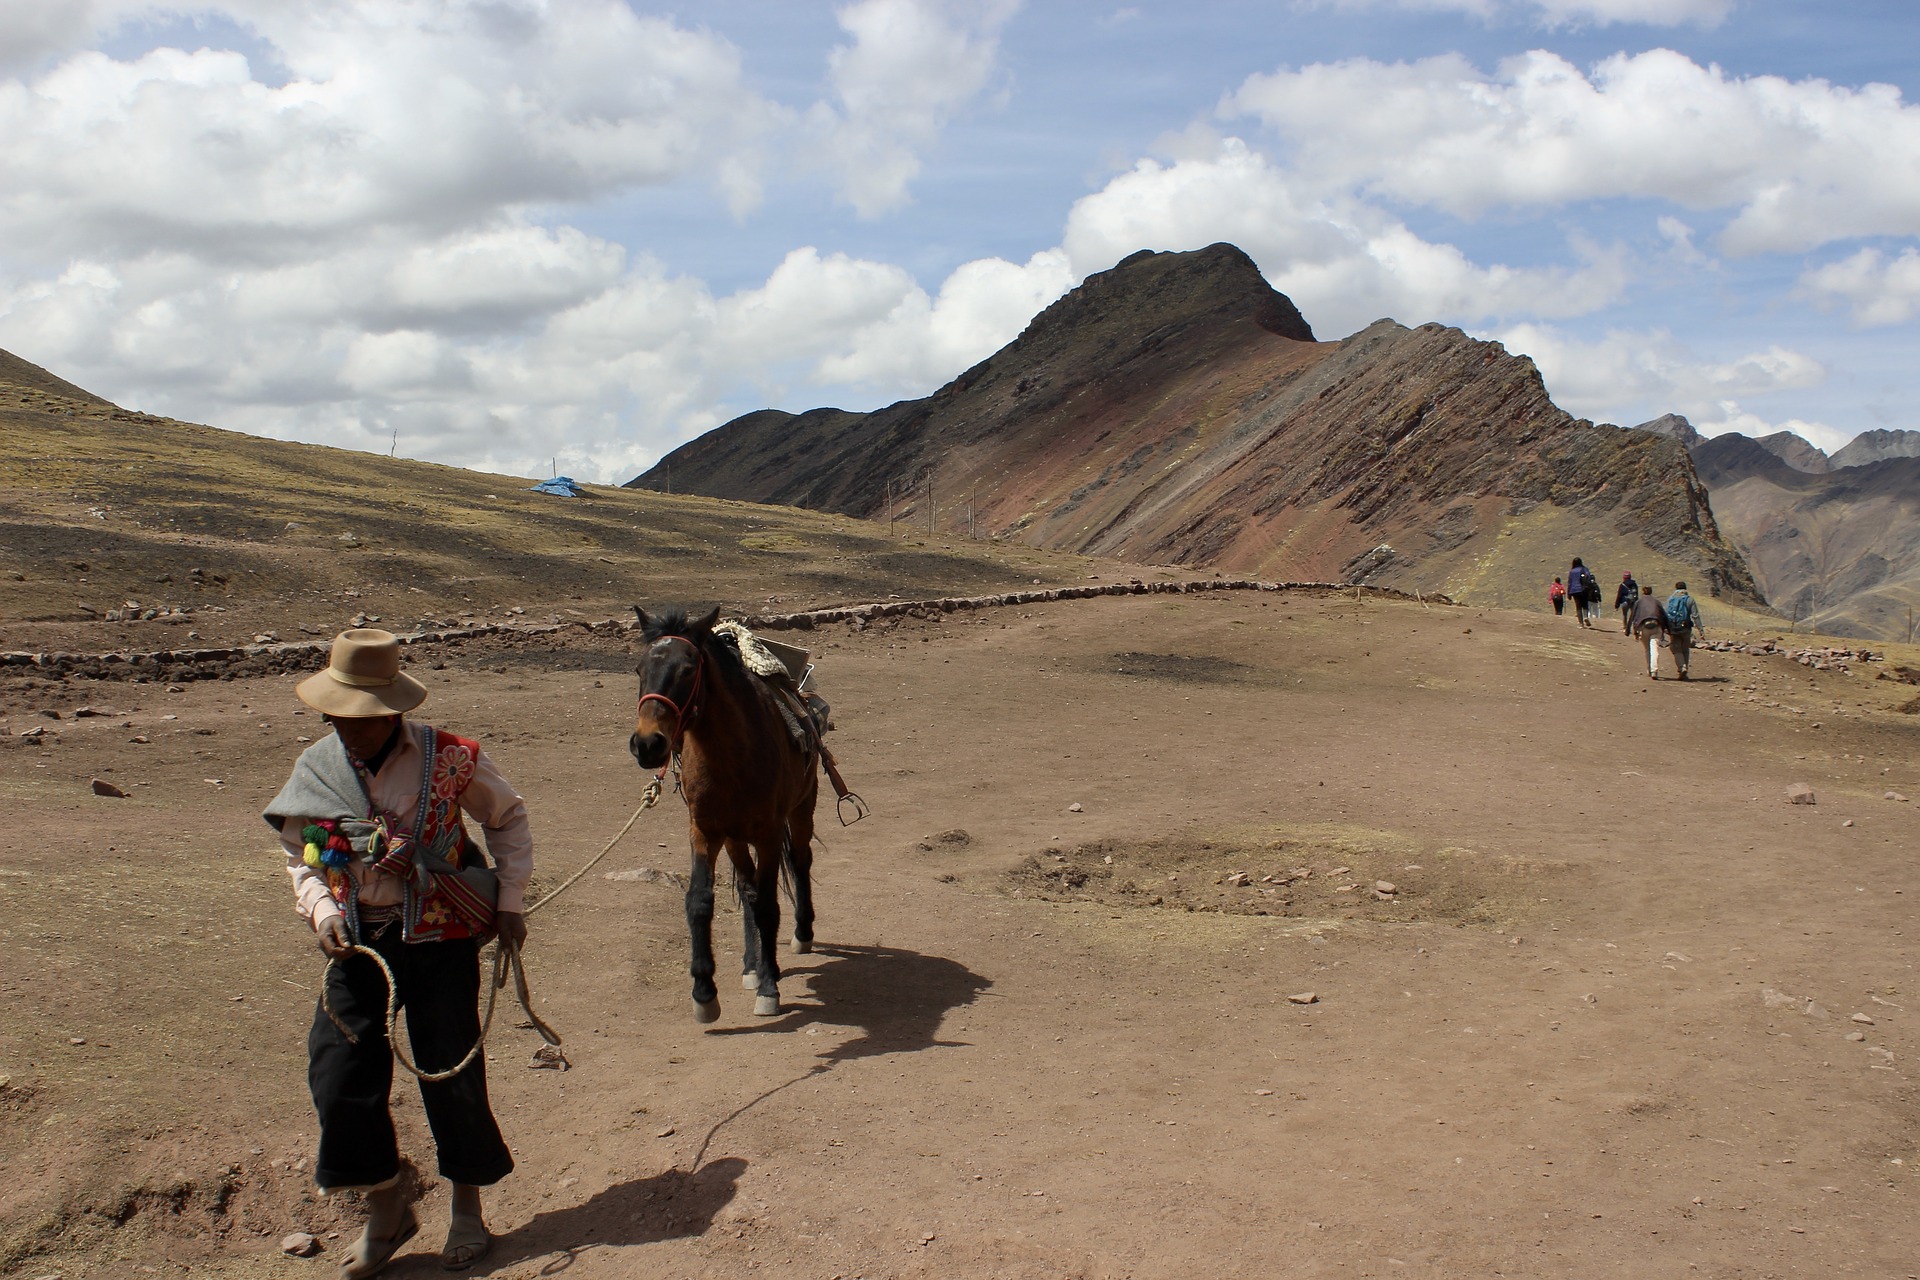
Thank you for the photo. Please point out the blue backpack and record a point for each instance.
(1680, 612)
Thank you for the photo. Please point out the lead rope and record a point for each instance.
(506, 957)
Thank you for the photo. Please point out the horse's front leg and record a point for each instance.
(765, 889)
(706, 1000)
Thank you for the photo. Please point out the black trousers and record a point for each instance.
(439, 988)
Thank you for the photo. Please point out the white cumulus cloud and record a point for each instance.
(1879, 290)
(1563, 13)
(1797, 163)
(1342, 261)
(911, 66)
(388, 119)
(1629, 377)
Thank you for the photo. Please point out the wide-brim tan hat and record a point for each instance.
(363, 677)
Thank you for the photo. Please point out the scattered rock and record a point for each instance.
(647, 875)
(1862, 1019)
(1800, 793)
(1847, 823)
(1384, 887)
(1303, 997)
(1076, 807)
(299, 1244)
(1779, 999)
(955, 837)
(1856, 1036)
(1894, 795)
(1815, 1010)
(101, 787)
(665, 1133)
(1239, 879)
(549, 1058)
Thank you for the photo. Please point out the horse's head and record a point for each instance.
(672, 676)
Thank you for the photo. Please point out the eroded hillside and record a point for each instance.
(1177, 410)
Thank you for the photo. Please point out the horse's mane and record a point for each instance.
(674, 622)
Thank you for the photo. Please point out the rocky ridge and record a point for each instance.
(1177, 410)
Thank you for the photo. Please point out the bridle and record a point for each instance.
(683, 714)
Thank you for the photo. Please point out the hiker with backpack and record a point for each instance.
(1557, 597)
(1624, 597)
(1683, 619)
(1648, 625)
(1583, 591)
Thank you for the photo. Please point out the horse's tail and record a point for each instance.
(786, 862)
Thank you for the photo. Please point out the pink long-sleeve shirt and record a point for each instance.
(489, 800)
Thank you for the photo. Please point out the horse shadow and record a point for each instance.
(670, 1205)
(896, 999)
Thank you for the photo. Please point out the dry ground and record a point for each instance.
(1551, 1053)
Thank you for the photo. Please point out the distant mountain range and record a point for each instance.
(1176, 409)
(1833, 541)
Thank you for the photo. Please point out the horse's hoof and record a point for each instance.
(766, 1007)
(750, 980)
(803, 946)
(708, 1012)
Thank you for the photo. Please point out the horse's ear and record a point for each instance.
(641, 614)
(706, 623)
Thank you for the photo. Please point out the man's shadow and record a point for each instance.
(895, 998)
(668, 1206)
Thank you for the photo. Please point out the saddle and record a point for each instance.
(806, 714)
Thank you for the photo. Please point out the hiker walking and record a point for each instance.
(1623, 600)
(1648, 623)
(1557, 597)
(1683, 620)
(372, 820)
(1583, 591)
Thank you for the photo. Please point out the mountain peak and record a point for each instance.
(1172, 290)
(1877, 446)
(1674, 427)
(1796, 452)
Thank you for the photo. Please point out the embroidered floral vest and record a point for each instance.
(439, 904)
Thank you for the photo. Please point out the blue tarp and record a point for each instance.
(560, 487)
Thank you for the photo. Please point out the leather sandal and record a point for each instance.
(468, 1241)
(371, 1253)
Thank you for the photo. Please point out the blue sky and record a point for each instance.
(503, 232)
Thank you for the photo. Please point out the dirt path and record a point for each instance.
(1549, 1051)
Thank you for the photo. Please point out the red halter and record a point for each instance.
(682, 715)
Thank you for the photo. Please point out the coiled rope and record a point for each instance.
(506, 957)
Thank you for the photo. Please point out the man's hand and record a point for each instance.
(510, 927)
(334, 939)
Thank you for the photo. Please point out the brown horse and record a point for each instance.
(749, 786)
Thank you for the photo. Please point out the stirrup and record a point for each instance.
(851, 800)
